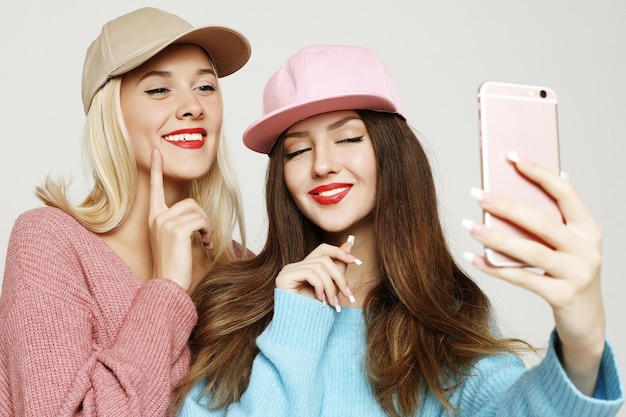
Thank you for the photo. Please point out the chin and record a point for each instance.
(334, 228)
(345, 225)
(186, 176)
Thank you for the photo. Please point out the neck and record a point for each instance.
(361, 278)
(140, 210)
(131, 240)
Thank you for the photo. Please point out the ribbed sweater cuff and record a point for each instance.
(163, 292)
(568, 400)
(161, 309)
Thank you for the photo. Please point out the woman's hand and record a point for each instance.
(571, 282)
(321, 274)
(172, 229)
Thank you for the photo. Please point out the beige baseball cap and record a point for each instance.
(131, 39)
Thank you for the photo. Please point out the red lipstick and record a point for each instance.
(330, 193)
(187, 138)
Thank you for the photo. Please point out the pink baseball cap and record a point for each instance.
(320, 79)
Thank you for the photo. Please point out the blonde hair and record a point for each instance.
(111, 159)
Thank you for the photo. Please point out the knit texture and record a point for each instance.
(80, 334)
(311, 364)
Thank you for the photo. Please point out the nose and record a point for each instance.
(324, 163)
(189, 107)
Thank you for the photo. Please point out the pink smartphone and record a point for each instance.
(522, 119)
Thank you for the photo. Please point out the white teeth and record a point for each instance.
(332, 192)
(184, 137)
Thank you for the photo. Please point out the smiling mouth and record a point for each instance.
(184, 137)
(332, 192)
(186, 140)
(329, 196)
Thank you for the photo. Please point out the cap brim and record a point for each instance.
(262, 134)
(228, 49)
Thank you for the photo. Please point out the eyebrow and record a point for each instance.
(332, 126)
(168, 74)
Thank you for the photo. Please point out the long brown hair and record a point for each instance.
(427, 321)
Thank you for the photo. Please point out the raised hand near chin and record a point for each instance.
(321, 274)
(172, 229)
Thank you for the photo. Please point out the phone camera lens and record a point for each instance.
(543, 93)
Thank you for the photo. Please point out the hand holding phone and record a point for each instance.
(522, 119)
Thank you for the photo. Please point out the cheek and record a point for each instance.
(141, 141)
(371, 172)
(297, 183)
(369, 158)
(364, 165)
(291, 179)
(213, 113)
(142, 151)
(218, 115)
(131, 110)
(137, 127)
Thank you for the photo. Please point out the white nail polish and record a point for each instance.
(351, 239)
(350, 295)
(477, 193)
(337, 306)
(468, 256)
(468, 224)
(564, 175)
(513, 156)
(358, 261)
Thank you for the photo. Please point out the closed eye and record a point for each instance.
(292, 155)
(160, 90)
(351, 140)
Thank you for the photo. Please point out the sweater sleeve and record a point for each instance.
(284, 380)
(543, 390)
(57, 363)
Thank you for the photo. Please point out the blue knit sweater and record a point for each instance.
(311, 364)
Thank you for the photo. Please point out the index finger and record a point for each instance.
(347, 246)
(157, 195)
(339, 254)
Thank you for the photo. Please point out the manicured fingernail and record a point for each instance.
(513, 156)
(468, 224)
(468, 256)
(354, 259)
(564, 175)
(337, 306)
(476, 229)
(324, 302)
(477, 193)
(350, 295)
(485, 199)
(351, 239)
(476, 260)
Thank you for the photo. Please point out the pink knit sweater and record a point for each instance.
(80, 334)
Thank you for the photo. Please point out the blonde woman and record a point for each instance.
(95, 317)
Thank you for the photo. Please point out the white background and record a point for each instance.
(438, 52)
